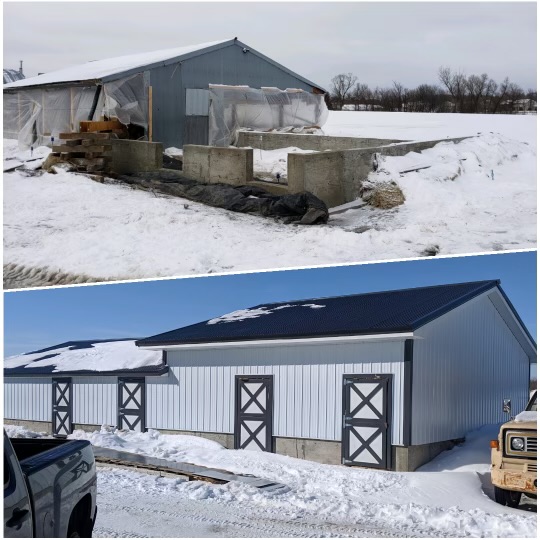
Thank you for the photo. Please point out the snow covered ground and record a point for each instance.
(477, 196)
(427, 126)
(271, 165)
(323, 500)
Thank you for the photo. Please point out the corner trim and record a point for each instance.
(407, 391)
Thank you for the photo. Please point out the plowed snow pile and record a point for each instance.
(478, 195)
(434, 504)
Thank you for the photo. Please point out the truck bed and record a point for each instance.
(26, 448)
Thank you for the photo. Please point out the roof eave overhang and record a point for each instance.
(168, 346)
(119, 373)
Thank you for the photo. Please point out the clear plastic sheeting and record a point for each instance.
(34, 116)
(127, 100)
(239, 107)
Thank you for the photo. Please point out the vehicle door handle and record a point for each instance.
(16, 520)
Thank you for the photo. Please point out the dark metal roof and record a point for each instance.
(48, 352)
(360, 314)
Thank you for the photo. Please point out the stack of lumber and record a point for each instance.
(108, 126)
(90, 152)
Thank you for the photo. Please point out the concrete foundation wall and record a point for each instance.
(409, 458)
(33, 425)
(273, 141)
(336, 177)
(135, 156)
(214, 165)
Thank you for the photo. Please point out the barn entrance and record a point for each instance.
(61, 407)
(253, 413)
(131, 403)
(366, 421)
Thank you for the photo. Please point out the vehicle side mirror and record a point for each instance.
(507, 406)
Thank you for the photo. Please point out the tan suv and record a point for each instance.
(513, 457)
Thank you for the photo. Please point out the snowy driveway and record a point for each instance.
(163, 507)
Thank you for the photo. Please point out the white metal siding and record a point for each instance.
(95, 400)
(198, 394)
(465, 363)
(28, 398)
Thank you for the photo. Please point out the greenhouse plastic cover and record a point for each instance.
(236, 107)
(34, 115)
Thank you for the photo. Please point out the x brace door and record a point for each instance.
(61, 407)
(366, 420)
(253, 418)
(131, 404)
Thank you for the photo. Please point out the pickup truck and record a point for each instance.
(49, 488)
(514, 456)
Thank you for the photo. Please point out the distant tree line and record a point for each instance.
(455, 92)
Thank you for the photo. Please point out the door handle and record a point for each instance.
(17, 518)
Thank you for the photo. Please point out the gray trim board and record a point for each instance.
(407, 391)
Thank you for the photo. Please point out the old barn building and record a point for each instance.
(384, 380)
(162, 96)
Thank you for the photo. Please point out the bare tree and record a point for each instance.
(455, 84)
(476, 86)
(341, 88)
(400, 93)
(361, 95)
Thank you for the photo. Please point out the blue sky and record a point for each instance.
(36, 319)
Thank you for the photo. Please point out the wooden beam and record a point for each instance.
(150, 115)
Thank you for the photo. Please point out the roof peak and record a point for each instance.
(480, 283)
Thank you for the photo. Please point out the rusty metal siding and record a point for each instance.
(198, 394)
(228, 65)
(465, 363)
(28, 398)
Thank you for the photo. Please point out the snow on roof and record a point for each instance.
(526, 416)
(99, 356)
(253, 313)
(111, 66)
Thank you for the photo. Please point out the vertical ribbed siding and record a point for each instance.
(28, 398)
(94, 400)
(464, 365)
(198, 394)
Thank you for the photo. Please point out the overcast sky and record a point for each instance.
(379, 42)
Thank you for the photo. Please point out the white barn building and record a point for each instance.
(384, 380)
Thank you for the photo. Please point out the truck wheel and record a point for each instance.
(507, 497)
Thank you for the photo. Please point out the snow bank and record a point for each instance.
(109, 356)
(255, 313)
(21, 432)
(526, 416)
